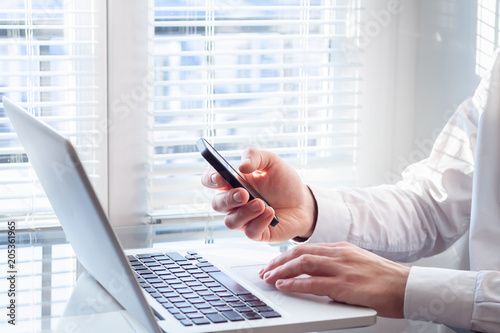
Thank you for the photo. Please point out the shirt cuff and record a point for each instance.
(334, 219)
(440, 295)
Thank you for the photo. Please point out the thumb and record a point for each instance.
(254, 159)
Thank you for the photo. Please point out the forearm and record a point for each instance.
(392, 221)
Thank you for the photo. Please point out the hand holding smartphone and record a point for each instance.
(232, 176)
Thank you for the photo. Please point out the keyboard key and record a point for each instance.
(167, 306)
(193, 284)
(211, 298)
(243, 309)
(165, 289)
(194, 315)
(217, 303)
(152, 264)
(188, 278)
(159, 256)
(158, 269)
(229, 283)
(186, 322)
(230, 299)
(223, 308)
(198, 289)
(204, 264)
(263, 309)
(159, 285)
(171, 279)
(203, 305)
(256, 303)
(248, 298)
(181, 275)
(176, 299)
(165, 261)
(200, 321)
(270, 314)
(175, 256)
(170, 294)
(232, 315)
(236, 304)
(178, 285)
(143, 271)
(196, 300)
(251, 315)
(137, 264)
(205, 280)
(208, 311)
(201, 275)
(182, 305)
(188, 309)
(184, 263)
(162, 300)
(183, 290)
(210, 269)
(143, 256)
(179, 316)
(216, 318)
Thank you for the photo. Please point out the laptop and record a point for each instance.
(167, 290)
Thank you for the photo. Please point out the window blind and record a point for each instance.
(273, 75)
(49, 64)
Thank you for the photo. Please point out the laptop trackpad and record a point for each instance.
(250, 273)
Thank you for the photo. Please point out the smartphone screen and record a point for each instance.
(233, 177)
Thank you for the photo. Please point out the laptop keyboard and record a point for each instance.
(196, 292)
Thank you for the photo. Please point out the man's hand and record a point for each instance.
(343, 272)
(282, 188)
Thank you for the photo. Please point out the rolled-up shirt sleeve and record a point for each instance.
(461, 299)
(440, 295)
(331, 207)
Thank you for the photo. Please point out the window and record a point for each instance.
(488, 25)
(51, 63)
(268, 75)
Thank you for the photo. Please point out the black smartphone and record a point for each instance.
(225, 169)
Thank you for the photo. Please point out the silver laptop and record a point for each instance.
(167, 291)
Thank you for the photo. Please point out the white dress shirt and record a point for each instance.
(429, 210)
